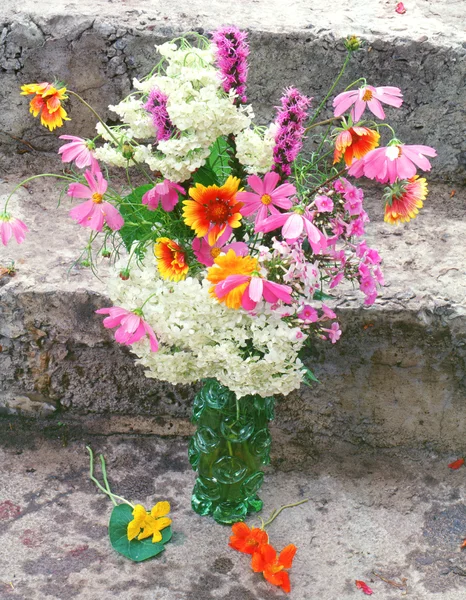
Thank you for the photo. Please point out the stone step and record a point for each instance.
(97, 47)
(396, 378)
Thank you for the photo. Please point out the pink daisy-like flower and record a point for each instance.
(367, 96)
(80, 151)
(131, 326)
(206, 254)
(11, 226)
(256, 289)
(334, 333)
(266, 197)
(293, 224)
(165, 192)
(324, 203)
(95, 212)
(396, 161)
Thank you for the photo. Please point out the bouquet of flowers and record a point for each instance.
(228, 253)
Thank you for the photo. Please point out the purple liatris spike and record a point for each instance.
(289, 137)
(232, 52)
(157, 106)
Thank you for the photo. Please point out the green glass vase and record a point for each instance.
(231, 444)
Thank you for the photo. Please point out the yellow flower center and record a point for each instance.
(266, 199)
(214, 252)
(97, 198)
(367, 96)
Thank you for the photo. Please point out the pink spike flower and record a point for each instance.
(367, 96)
(95, 212)
(80, 151)
(131, 326)
(11, 226)
(266, 197)
(206, 254)
(232, 51)
(395, 161)
(165, 192)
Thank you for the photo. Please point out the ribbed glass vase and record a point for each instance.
(229, 448)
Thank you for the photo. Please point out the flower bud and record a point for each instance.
(352, 43)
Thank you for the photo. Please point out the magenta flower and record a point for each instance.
(328, 312)
(80, 151)
(289, 137)
(293, 224)
(324, 203)
(367, 96)
(11, 226)
(232, 53)
(95, 212)
(206, 254)
(256, 289)
(396, 161)
(308, 314)
(334, 333)
(266, 197)
(156, 105)
(165, 192)
(131, 326)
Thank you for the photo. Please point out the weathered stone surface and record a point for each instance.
(98, 47)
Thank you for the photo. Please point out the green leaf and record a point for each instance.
(319, 295)
(206, 176)
(135, 550)
(133, 211)
(309, 376)
(219, 159)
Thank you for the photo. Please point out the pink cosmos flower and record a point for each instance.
(324, 203)
(397, 161)
(308, 314)
(79, 150)
(206, 254)
(367, 96)
(11, 226)
(256, 289)
(165, 192)
(334, 333)
(95, 212)
(293, 224)
(266, 197)
(131, 326)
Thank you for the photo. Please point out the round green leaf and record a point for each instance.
(135, 550)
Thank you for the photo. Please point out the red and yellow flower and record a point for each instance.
(47, 102)
(171, 259)
(353, 143)
(265, 561)
(403, 199)
(238, 268)
(213, 209)
(247, 540)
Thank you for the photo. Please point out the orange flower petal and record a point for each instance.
(286, 556)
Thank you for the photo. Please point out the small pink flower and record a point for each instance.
(397, 161)
(165, 192)
(11, 226)
(308, 314)
(293, 224)
(328, 312)
(299, 335)
(131, 326)
(206, 254)
(367, 285)
(95, 212)
(334, 333)
(324, 203)
(367, 96)
(266, 197)
(336, 280)
(400, 8)
(79, 150)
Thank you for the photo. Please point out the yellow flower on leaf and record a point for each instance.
(151, 523)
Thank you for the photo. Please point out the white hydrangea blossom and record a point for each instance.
(111, 156)
(132, 112)
(200, 337)
(255, 150)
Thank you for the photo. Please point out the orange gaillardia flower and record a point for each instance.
(403, 199)
(47, 103)
(265, 560)
(353, 143)
(227, 265)
(171, 259)
(247, 540)
(213, 209)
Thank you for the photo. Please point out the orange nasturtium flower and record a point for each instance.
(171, 259)
(353, 143)
(265, 560)
(213, 209)
(150, 523)
(247, 540)
(47, 102)
(403, 199)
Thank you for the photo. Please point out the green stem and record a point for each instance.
(35, 177)
(340, 74)
(106, 491)
(276, 512)
(104, 475)
(326, 122)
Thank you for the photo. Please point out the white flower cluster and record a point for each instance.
(200, 337)
(255, 149)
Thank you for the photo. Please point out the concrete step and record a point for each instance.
(396, 378)
(97, 47)
(376, 516)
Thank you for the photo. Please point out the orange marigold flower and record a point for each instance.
(47, 103)
(265, 560)
(403, 200)
(227, 265)
(171, 259)
(354, 143)
(247, 540)
(213, 209)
